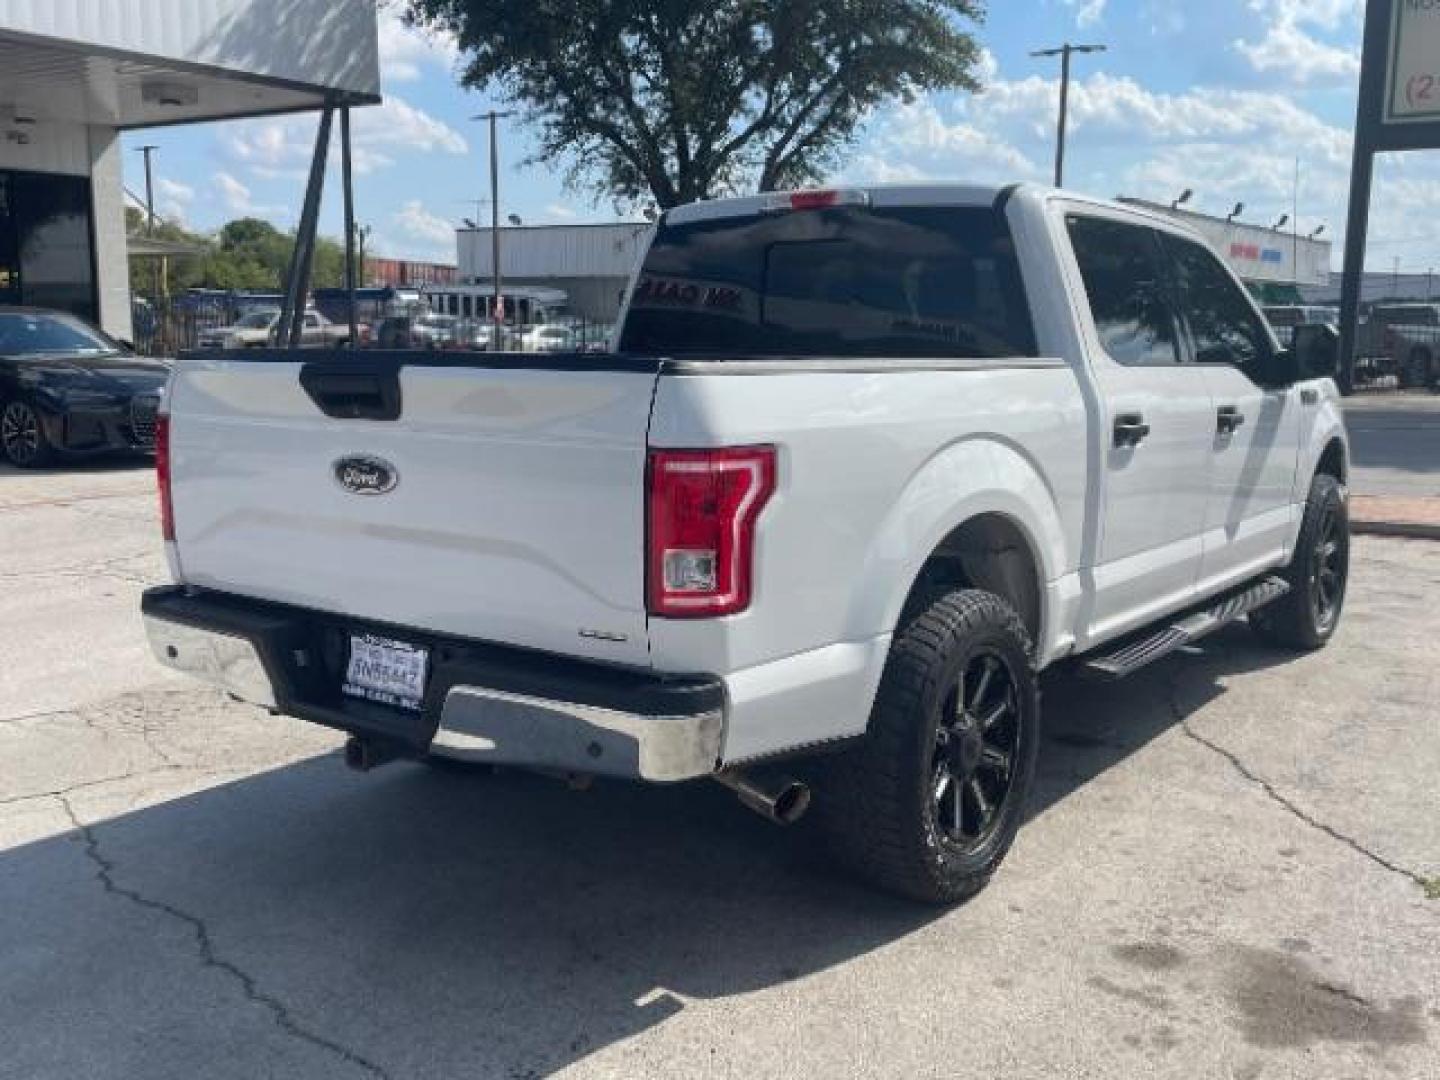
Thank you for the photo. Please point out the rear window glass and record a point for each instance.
(840, 282)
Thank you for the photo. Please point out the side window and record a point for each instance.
(1223, 324)
(1125, 282)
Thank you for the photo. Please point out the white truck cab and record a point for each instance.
(863, 463)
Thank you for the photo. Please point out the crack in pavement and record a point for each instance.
(209, 957)
(1275, 795)
(62, 793)
(43, 714)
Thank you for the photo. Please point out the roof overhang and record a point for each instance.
(125, 64)
(149, 247)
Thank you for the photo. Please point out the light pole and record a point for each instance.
(1064, 51)
(495, 314)
(161, 269)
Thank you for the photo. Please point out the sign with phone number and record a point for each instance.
(1414, 72)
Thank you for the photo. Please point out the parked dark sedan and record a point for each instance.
(66, 389)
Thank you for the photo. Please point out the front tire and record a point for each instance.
(22, 436)
(1305, 618)
(929, 802)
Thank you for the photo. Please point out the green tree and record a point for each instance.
(247, 253)
(676, 100)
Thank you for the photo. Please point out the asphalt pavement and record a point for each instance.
(1228, 872)
(1395, 444)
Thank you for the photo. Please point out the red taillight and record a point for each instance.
(162, 476)
(703, 505)
(813, 200)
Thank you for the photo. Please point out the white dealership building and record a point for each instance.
(75, 74)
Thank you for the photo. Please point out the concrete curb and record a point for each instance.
(1410, 530)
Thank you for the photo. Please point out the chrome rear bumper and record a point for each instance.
(484, 703)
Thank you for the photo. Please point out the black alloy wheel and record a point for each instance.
(1329, 568)
(22, 436)
(977, 742)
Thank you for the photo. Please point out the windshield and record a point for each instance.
(258, 320)
(905, 281)
(28, 333)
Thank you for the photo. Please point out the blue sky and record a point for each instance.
(1220, 96)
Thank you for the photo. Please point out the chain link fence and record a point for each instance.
(166, 326)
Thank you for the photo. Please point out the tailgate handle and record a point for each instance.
(353, 391)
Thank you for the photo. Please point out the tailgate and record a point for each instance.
(504, 500)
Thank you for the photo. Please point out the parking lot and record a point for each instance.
(1232, 870)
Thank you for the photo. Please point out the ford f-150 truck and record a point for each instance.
(862, 464)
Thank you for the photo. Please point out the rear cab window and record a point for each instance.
(845, 281)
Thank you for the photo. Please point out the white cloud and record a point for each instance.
(234, 194)
(281, 148)
(1089, 11)
(173, 199)
(1289, 48)
(415, 233)
(406, 51)
(917, 142)
(559, 210)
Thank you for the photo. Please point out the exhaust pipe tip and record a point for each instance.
(790, 803)
(781, 799)
(362, 755)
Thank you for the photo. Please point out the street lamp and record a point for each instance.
(1064, 51)
(1183, 199)
(1239, 209)
(492, 116)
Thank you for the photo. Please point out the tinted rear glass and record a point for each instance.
(842, 282)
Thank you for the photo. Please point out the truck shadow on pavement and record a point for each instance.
(431, 922)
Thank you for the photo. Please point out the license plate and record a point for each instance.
(388, 671)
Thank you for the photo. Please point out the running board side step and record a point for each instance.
(1136, 652)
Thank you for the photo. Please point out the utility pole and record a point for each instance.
(1064, 51)
(161, 267)
(149, 189)
(496, 314)
(362, 233)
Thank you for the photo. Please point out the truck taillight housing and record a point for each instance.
(701, 512)
(162, 476)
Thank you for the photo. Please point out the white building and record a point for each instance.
(1266, 259)
(591, 264)
(74, 74)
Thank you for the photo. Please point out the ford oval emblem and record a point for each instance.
(365, 475)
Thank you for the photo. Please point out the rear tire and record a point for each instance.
(22, 436)
(927, 804)
(1305, 618)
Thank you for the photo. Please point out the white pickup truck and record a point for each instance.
(863, 463)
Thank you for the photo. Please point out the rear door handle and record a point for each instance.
(1130, 429)
(1227, 419)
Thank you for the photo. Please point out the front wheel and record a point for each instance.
(929, 802)
(22, 436)
(1306, 617)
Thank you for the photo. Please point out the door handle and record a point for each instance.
(1130, 429)
(1227, 419)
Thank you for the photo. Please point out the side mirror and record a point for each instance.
(126, 344)
(1316, 351)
